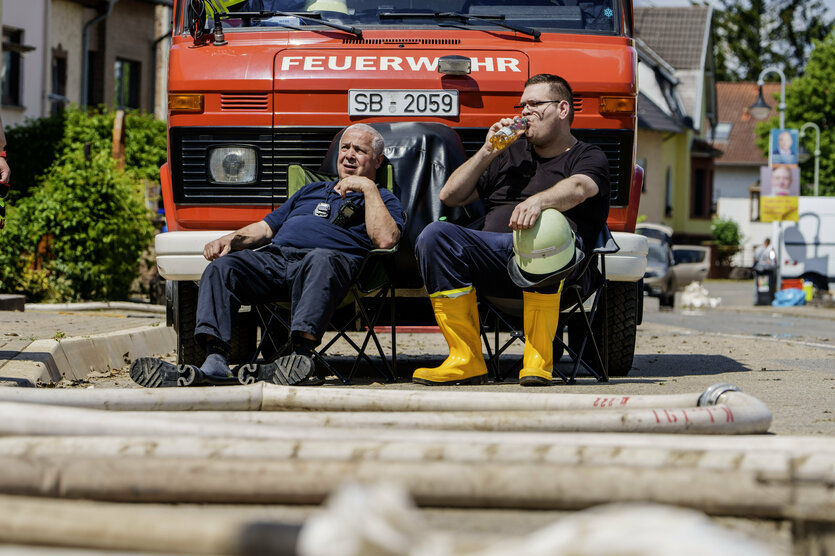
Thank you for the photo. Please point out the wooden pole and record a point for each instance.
(118, 150)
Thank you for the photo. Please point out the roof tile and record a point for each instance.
(676, 34)
(733, 100)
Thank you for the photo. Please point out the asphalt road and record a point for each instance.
(740, 316)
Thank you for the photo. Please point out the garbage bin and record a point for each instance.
(765, 284)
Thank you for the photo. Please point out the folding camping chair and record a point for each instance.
(372, 286)
(592, 352)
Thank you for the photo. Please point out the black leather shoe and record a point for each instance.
(287, 370)
(150, 372)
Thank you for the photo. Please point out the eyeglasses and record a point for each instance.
(534, 103)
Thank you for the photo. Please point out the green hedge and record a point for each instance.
(32, 148)
(80, 231)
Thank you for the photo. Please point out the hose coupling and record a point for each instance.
(711, 395)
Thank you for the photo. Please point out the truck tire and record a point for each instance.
(621, 307)
(182, 303)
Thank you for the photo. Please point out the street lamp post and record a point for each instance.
(817, 153)
(760, 110)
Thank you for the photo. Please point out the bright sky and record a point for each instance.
(830, 4)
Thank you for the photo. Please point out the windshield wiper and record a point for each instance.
(497, 20)
(317, 19)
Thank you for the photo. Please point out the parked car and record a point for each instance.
(671, 267)
(659, 278)
(655, 231)
(692, 263)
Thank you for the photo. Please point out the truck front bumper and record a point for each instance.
(630, 263)
(180, 255)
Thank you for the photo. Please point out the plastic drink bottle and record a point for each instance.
(507, 135)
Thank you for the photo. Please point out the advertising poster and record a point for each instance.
(784, 146)
(777, 209)
(781, 180)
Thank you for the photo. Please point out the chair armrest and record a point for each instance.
(372, 274)
(605, 244)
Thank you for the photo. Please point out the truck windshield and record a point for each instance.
(597, 17)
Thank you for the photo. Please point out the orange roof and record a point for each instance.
(733, 100)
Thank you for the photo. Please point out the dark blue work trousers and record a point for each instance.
(314, 281)
(453, 259)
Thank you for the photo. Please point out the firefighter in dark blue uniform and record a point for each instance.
(310, 253)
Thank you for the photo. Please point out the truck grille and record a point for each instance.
(308, 146)
(248, 102)
(277, 148)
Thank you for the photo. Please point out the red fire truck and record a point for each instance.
(258, 84)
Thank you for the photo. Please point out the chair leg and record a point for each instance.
(491, 360)
(369, 320)
(588, 318)
(388, 375)
(268, 325)
(494, 353)
(392, 298)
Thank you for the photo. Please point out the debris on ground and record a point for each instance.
(696, 296)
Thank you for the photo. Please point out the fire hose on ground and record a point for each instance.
(265, 444)
(721, 409)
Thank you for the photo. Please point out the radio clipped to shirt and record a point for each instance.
(343, 216)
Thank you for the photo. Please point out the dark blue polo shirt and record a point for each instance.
(296, 223)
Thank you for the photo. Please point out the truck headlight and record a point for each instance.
(233, 164)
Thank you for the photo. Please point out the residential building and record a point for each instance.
(677, 98)
(86, 52)
(737, 171)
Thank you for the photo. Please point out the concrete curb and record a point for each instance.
(97, 306)
(48, 361)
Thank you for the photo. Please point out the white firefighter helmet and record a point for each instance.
(544, 254)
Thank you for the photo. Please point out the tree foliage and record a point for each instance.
(725, 232)
(753, 34)
(811, 98)
(32, 149)
(80, 232)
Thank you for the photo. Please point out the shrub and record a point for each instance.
(81, 232)
(32, 146)
(35, 144)
(79, 236)
(726, 232)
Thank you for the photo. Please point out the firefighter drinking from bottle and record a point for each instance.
(547, 188)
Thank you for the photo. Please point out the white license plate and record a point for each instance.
(402, 103)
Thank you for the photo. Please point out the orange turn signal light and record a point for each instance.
(617, 105)
(185, 103)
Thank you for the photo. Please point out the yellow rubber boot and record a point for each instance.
(458, 320)
(542, 314)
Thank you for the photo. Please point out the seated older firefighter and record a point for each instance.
(312, 250)
(545, 168)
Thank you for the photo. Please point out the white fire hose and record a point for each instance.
(721, 409)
